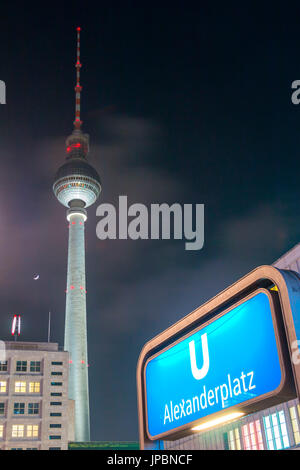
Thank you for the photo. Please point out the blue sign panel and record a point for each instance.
(230, 361)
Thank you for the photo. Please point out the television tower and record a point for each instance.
(77, 186)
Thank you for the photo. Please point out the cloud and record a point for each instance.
(257, 233)
(33, 223)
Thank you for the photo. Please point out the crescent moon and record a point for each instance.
(36, 277)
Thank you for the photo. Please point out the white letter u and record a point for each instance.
(199, 373)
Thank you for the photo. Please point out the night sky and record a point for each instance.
(184, 102)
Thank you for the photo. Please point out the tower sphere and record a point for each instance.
(76, 180)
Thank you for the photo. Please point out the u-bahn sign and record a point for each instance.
(216, 366)
(231, 355)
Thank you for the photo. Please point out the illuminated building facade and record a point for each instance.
(35, 411)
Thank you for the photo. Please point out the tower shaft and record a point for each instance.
(75, 324)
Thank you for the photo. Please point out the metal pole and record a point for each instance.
(49, 321)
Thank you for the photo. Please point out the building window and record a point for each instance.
(54, 437)
(21, 366)
(55, 403)
(2, 387)
(56, 384)
(226, 444)
(20, 387)
(3, 366)
(55, 414)
(1, 431)
(34, 387)
(19, 408)
(32, 430)
(276, 431)
(56, 363)
(295, 424)
(56, 394)
(35, 366)
(56, 373)
(17, 430)
(54, 448)
(252, 436)
(53, 425)
(33, 408)
(2, 409)
(234, 440)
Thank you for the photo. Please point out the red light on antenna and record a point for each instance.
(78, 29)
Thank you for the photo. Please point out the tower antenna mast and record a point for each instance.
(78, 87)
